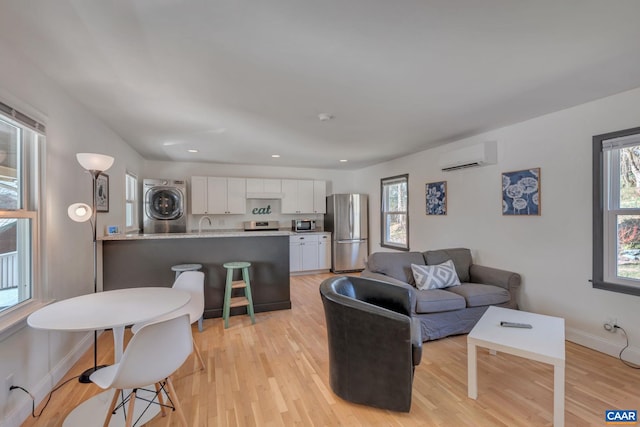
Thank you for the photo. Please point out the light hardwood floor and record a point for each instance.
(275, 373)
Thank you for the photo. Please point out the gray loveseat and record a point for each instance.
(453, 310)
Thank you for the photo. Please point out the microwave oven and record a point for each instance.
(300, 225)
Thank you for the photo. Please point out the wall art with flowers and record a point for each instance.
(436, 195)
(521, 192)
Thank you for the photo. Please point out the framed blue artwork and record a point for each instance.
(521, 192)
(436, 195)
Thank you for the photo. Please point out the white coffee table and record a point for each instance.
(544, 342)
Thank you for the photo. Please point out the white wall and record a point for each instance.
(37, 359)
(552, 252)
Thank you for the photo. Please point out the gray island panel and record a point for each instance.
(147, 262)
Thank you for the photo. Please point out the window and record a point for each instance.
(616, 211)
(131, 202)
(395, 212)
(20, 143)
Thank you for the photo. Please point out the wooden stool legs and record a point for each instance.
(230, 285)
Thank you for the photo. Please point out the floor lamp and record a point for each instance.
(95, 164)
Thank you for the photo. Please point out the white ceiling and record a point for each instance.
(241, 80)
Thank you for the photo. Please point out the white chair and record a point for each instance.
(192, 282)
(135, 370)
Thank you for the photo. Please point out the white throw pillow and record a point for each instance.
(435, 276)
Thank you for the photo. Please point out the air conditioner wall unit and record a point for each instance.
(482, 154)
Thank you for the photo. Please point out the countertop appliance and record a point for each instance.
(165, 206)
(302, 225)
(347, 219)
(261, 225)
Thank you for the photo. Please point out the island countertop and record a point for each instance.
(199, 235)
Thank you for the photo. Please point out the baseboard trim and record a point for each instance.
(611, 347)
(22, 411)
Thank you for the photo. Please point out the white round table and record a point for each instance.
(110, 309)
(103, 310)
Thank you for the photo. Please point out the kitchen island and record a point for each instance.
(136, 260)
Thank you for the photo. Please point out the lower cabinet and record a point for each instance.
(324, 251)
(309, 252)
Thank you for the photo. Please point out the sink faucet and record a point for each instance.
(200, 223)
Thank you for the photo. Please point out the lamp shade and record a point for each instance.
(79, 212)
(95, 162)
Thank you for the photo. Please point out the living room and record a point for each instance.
(552, 252)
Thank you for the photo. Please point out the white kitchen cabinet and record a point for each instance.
(198, 195)
(216, 195)
(299, 196)
(255, 185)
(319, 197)
(262, 188)
(236, 195)
(213, 195)
(272, 185)
(324, 251)
(289, 202)
(303, 252)
(295, 255)
(309, 252)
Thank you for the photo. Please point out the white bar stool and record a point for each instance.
(181, 268)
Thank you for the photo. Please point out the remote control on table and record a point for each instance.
(515, 325)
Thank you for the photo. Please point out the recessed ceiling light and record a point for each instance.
(324, 117)
(344, 161)
(192, 151)
(275, 156)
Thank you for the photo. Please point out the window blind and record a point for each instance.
(23, 119)
(621, 142)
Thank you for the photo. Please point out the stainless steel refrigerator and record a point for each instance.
(347, 219)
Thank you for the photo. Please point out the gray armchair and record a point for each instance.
(374, 344)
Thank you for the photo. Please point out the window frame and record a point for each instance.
(133, 202)
(384, 182)
(32, 143)
(605, 219)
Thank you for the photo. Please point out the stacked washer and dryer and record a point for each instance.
(165, 206)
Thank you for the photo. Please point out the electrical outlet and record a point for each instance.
(610, 324)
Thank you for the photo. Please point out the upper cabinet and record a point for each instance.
(198, 194)
(212, 195)
(320, 197)
(264, 188)
(297, 196)
(303, 196)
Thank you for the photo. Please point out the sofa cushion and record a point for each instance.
(396, 265)
(435, 276)
(461, 258)
(438, 300)
(477, 295)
